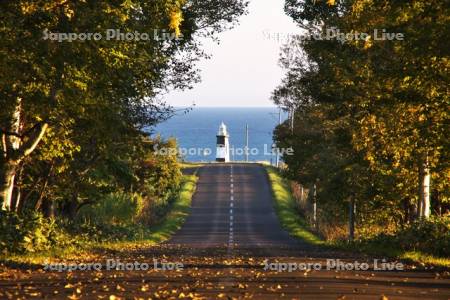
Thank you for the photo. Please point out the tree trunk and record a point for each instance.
(38, 203)
(351, 219)
(70, 207)
(315, 206)
(17, 192)
(8, 174)
(424, 189)
(11, 143)
(48, 208)
(15, 150)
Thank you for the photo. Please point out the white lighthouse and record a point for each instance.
(223, 146)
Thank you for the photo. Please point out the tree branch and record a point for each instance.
(4, 150)
(31, 144)
(26, 133)
(6, 132)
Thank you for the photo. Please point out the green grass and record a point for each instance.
(297, 227)
(191, 164)
(178, 213)
(285, 208)
(392, 251)
(172, 222)
(426, 259)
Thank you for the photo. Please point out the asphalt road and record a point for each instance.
(228, 248)
(233, 207)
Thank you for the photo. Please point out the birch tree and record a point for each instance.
(396, 91)
(46, 85)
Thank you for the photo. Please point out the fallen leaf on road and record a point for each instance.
(144, 288)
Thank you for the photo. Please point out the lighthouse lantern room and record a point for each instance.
(223, 146)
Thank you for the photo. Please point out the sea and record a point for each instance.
(195, 132)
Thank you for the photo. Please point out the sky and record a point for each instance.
(243, 69)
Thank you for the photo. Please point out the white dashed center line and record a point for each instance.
(230, 236)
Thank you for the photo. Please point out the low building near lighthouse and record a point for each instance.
(223, 145)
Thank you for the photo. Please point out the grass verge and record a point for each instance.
(297, 227)
(286, 209)
(185, 165)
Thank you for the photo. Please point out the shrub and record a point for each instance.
(115, 208)
(431, 236)
(29, 233)
(97, 232)
(427, 235)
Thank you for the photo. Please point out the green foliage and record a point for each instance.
(95, 232)
(115, 208)
(95, 226)
(30, 233)
(179, 210)
(369, 114)
(425, 241)
(431, 236)
(87, 106)
(159, 173)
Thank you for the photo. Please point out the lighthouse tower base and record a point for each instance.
(223, 146)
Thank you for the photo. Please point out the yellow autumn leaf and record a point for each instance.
(69, 12)
(368, 42)
(144, 288)
(331, 2)
(28, 8)
(73, 297)
(176, 17)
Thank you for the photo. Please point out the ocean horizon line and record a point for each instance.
(197, 106)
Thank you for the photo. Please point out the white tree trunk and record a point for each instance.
(424, 189)
(9, 192)
(13, 142)
(14, 151)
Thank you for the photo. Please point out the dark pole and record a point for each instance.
(246, 143)
(351, 220)
(315, 205)
(276, 149)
